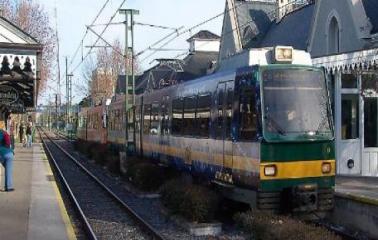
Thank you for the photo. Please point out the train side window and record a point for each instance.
(146, 119)
(137, 118)
(248, 116)
(220, 115)
(203, 115)
(228, 113)
(164, 129)
(177, 112)
(189, 121)
(154, 127)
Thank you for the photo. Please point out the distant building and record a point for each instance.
(103, 85)
(202, 57)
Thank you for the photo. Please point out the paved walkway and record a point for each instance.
(359, 188)
(35, 210)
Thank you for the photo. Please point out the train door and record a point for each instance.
(224, 96)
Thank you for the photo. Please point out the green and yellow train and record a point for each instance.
(262, 133)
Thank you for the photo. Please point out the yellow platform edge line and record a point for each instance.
(358, 198)
(63, 211)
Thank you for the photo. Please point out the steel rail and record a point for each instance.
(87, 227)
(139, 220)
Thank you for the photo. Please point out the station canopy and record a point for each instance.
(20, 59)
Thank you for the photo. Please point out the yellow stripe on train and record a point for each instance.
(297, 169)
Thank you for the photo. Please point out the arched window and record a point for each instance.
(333, 37)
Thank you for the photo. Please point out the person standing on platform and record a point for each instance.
(11, 131)
(29, 134)
(21, 132)
(6, 159)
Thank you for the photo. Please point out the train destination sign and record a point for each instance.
(8, 95)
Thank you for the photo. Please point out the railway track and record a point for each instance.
(102, 213)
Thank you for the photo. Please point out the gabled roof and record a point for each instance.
(293, 30)
(170, 71)
(204, 35)
(13, 35)
(371, 9)
(254, 20)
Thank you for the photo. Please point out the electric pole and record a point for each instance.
(58, 101)
(68, 93)
(129, 26)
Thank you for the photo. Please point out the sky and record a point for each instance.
(74, 15)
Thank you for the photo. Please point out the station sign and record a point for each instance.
(8, 95)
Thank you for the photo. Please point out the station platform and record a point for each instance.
(35, 209)
(364, 189)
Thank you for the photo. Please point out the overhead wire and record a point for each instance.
(189, 30)
(99, 37)
(86, 32)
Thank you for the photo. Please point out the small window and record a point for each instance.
(248, 116)
(349, 81)
(146, 119)
(203, 115)
(177, 112)
(189, 120)
(154, 128)
(349, 116)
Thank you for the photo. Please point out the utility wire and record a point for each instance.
(98, 38)
(106, 42)
(86, 32)
(189, 30)
(155, 26)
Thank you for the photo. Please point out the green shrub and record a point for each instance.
(267, 226)
(98, 153)
(146, 176)
(200, 204)
(194, 202)
(112, 163)
(173, 194)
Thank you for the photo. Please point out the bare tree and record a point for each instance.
(109, 65)
(89, 67)
(31, 17)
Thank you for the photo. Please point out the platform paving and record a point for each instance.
(359, 188)
(35, 210)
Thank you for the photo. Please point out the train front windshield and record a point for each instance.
(295, 105)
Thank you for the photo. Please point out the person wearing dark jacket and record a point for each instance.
(21, 132)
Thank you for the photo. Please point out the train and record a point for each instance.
(261, 133)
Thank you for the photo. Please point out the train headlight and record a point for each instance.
(270, 171)
(283, 54)
(326, 168)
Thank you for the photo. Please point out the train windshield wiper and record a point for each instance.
(272, 123)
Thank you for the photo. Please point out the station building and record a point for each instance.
(340, 35)
(20, 60)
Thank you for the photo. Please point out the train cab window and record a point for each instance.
(248, 116)
(203, 115)
(177, 112)
(146, 119)
(189, 121)
(154, 127)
